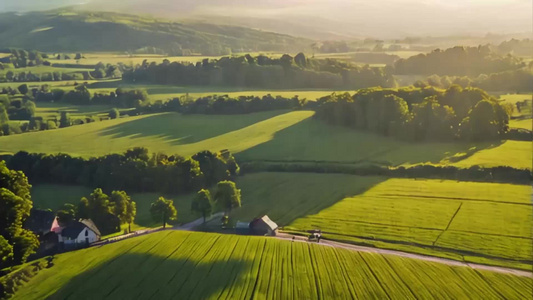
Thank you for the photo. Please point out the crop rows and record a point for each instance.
(180, 265)
(491, 221)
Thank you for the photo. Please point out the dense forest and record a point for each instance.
(470, 61)
(263, 71)
(419, 114)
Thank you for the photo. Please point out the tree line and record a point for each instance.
(470, 61)
(518, 81)
(262, 71)
(135, 170)
(419, 114)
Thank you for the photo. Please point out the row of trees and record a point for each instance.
(263, 71)
(419, 114)
(471, 61)
(21, 58)
(80, 95)
(16, 243)
(518, 81)
(135, 170)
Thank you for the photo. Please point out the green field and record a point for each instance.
(267, 136)
(52, 110)
(43, 69)
(180, 265)
(464, 220)
(515, 154)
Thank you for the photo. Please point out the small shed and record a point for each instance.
(263, 226)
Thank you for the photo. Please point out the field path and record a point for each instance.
(296, 238)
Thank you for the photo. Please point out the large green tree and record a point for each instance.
(163, 210)
(15, 207)
(123, 207)
(202, 203)
(227, 196)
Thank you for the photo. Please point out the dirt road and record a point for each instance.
(445, 261)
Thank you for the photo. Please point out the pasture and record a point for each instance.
(267, 136)
(179, 265)
(461, 220)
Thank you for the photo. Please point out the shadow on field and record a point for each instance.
(181, 129)
(145, 276)
(313, 141)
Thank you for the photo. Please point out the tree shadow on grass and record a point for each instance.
(146, 276)
(314, 141)
(181, 129)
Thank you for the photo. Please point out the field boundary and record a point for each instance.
(449, 223)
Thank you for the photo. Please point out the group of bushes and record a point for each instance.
(133, 171)
(80, 95)
(419, 113)
(264, 72)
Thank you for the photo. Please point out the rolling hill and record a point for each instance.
(73, 30)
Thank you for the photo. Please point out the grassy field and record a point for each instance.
(461, 220)
(515, 154)
(43, 69)
(179, 265)
(266, 136)
(51, 110)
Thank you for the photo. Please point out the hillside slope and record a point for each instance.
(185, 265)
(69, 30)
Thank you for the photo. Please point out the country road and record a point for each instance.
(324, 242)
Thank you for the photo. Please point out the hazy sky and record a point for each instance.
(378, 17)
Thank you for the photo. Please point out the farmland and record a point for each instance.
(266, 136)
(178, 265)
(461, 219)
(457, 220)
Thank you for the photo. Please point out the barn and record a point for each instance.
(79, 234)
(263, 226)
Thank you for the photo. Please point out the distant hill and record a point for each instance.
(69, 30)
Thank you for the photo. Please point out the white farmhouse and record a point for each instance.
(79, 234)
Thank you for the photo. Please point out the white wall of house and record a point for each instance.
(86, 236)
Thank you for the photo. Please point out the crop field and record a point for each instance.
(51, 196)
(43, 69)
(268, 136)
(487, 220)
(179, 265)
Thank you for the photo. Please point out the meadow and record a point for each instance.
(267, 136)
(179, 265)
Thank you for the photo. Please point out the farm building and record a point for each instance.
(79, 234)
(41, 223)
(263, 226)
